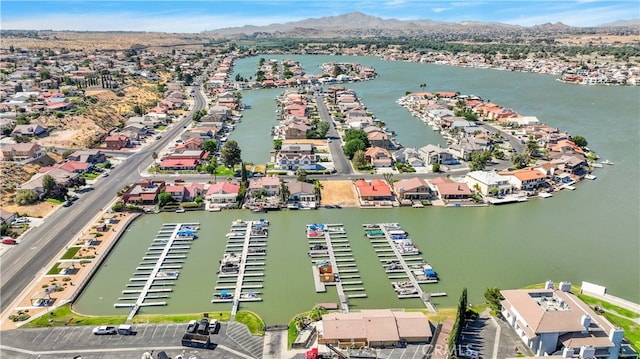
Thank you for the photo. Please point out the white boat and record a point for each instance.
(607, 162)
(590, 177)
(544, 195)
(180, 210)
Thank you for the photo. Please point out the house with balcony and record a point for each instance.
(378, 157)
(20, 151)
(526, 179)
(376, 192)
(554, 322)
(411, 189)
(292, 157)
(450, 191)
(432, 154)
(222, 194)
(302, 194)
(144, 192)
(489, 183)
(269, 185)
(116, 142)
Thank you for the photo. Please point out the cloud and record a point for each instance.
(440, 9)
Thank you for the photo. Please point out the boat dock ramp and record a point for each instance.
(333, 262)
(241, 272)
(159, 267)
(402, 262)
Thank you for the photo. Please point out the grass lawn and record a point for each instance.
(222, 170)
(631, 329)
(54, 201)
(54, 269)
(70, 253)
(64, 316)
(608, 306)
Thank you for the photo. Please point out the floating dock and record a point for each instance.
(242, 268)
(401, 260)
(157, 273)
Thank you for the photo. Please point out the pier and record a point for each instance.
(242, 267)
(400, 246)
(328, 243)
(157, 273)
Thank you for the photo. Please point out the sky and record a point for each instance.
(202, 15)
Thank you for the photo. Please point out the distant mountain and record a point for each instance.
(630, 22)
(357, 24)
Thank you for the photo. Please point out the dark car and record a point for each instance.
(67, 203)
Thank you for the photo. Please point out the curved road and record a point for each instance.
(23, 263)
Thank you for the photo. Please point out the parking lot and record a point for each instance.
(232, 341)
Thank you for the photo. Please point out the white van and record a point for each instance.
(125, 329)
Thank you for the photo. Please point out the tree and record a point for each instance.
(47, 185)
(359, 159)
(388, 176)
(531, 146)
(352, 134)
(435, 167)
(277, 144)
(210, 146)
(493, 297)
(301, 174)
(520, 160)
(231, 154)
(353, 145)
(322, 129)
(479, 160)
(579, 140)
(164, 198)
(59, 192)
(25, 196)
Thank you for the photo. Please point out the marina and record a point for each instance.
(158, 270)
(401, 261)
(333, 262)
(241, 269)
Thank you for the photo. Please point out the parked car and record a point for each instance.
(21, 220)
(9, 241)
(213, 326)
(104, 330)
(192, 326)
(67, 203)
(125, 329)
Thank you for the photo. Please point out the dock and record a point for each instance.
(329, 243)
(158, 274)
(410, 287)
(242, 268)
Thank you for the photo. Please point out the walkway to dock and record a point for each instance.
(246, 251)
(344, 304)
(424, 297)
(177, 235)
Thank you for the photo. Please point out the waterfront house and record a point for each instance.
(552, 320)
(526, 179)
(408, 155)
(269, 185)
(294, 156)
(302, 192)
(378, 138)
(177, 192)
(375, 328)
(374, 191)
(414, 188)
(432, 154)
(20, 151)
(378, 157)
(489, 183)
(144, 192)
(192, 190)
(222, 194)
(450, 191)
(296, 130)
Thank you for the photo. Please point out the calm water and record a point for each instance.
(591, 234)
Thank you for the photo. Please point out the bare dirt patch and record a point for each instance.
(339, 193)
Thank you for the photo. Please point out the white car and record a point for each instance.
(104, 330)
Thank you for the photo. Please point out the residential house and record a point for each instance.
(489, 183)
(116, 142)
(179, 164)
(432, 154)
(193, 190)
(296, 130)
(59, 175)
(32, 130)
(90, 156)
(468, 146)
(269, 184)
(6, 216)
(177, 192)
(412, 189)
(409, 156)
(294, 156)
(550, 321)
(301, 191)
(20, 151)
(378, 138)
(526, 179)
(222, 194)
(450, 191)
(376, 190)
(144, 192)
(378, 157)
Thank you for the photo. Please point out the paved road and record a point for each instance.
(25, 262)
(340, 161)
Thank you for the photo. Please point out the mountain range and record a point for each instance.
(357, 23)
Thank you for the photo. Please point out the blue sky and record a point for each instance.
(196, 16)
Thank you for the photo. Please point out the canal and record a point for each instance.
(589, 234)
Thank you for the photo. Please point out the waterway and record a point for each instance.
(591, 234)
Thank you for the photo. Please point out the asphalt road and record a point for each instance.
(25, 262)
(340, 161)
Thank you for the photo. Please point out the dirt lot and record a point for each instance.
(338, 193)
